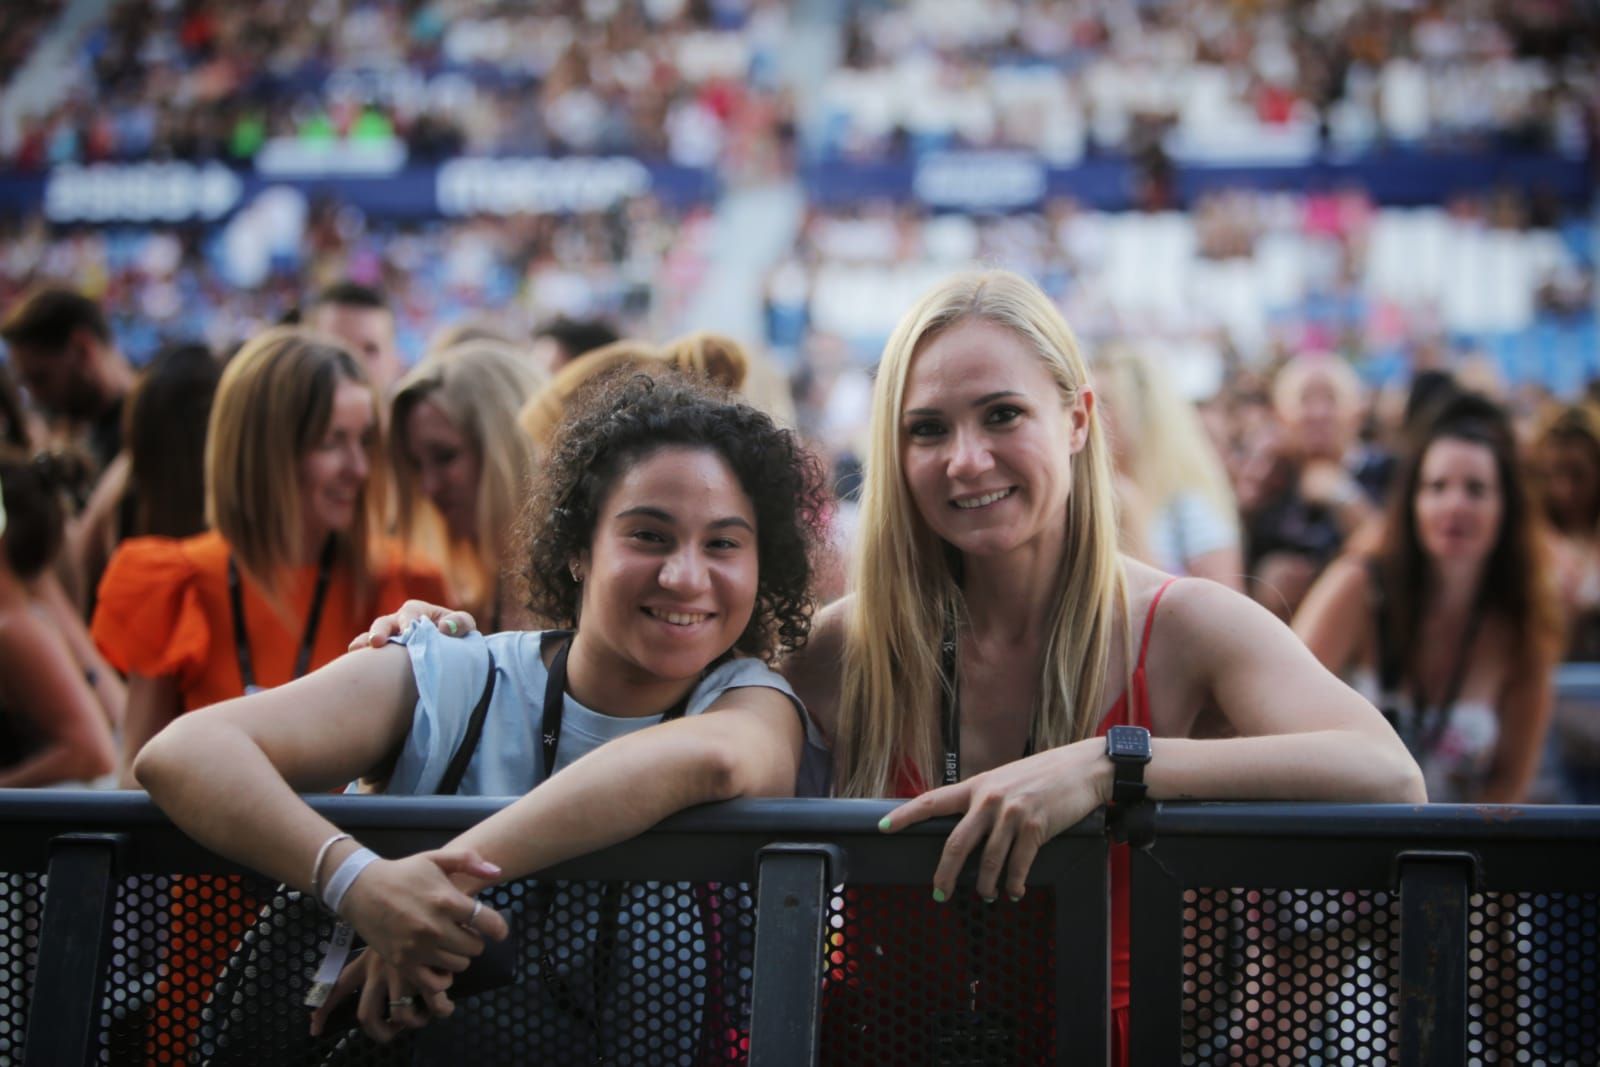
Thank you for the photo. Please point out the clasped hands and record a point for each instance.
(422, 926)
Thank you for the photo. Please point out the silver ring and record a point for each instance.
(403, 1002)
(477, 906)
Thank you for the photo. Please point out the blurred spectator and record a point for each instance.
(1566, 460)
(564, 340)
(63, 350)
(359, 316)
(462, 463)
(53, 728)
(1451, 628)
(1313, 494)
(290, 494)
(1177, 508)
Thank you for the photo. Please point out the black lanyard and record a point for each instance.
(555, 692)
(241, 637)
(950, 711)
(1427, 738)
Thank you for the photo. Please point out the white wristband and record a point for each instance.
(345, 877)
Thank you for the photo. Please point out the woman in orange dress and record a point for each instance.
(286, 574)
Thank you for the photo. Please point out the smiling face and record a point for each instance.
(334, 471)
(669, 580)
(446, 466)
(1459, 503)
(987, 440)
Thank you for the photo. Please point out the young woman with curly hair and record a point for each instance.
(672, 530)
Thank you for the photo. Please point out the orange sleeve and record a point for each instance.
(403, 578)
(148, 619)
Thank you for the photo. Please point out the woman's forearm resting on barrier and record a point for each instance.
(227, 776)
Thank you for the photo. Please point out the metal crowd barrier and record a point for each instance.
(793, 932)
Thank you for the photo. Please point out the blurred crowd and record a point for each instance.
(701, 82)
(1212, 78)
(1280, 479)
(636, 266)
(690, 82)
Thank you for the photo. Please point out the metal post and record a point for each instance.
(791, 911)
(1083, 960)
(1155, 1010)
(73, 946)
(1433, 956)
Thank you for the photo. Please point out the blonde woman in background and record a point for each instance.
(1178, 510)
(462, 468)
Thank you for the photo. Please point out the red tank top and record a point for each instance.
(1131, 709)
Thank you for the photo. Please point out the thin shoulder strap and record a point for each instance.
(457, 769)
(1150, 620)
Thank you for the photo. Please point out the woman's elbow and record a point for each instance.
(157, 760)
(1403, 784)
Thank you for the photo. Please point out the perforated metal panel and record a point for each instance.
(21, 911)
(1290, 976)
(1533, 978)
(213, 970)
(910, 981)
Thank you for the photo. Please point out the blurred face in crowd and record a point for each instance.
(1571, 480)
(367, 332)
(987, 440)
(1323, 418)
(61, 380)
(1459, 503)
(334, 472)
(447, 467)
(669, 580)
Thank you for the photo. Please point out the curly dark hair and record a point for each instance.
(620, 419)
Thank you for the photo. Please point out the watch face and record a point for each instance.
(1128, 742)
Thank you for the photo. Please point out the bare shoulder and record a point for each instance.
(814, 671)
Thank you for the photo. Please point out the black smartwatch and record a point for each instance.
(1128, 748)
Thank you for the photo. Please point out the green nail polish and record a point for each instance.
(990, 900)
(450, 624)
(1015, 900)
(883, 823)
(939, 897)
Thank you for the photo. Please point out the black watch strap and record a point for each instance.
(1128, 748)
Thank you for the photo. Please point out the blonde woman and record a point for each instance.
(996, 634)
(463, 467)
(988, 529)
(1178, 510)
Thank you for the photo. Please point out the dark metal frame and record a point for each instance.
(794, 851)
(1434, 856)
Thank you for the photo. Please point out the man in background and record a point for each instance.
(61, 346)
(359, 316)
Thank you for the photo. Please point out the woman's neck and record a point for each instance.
(1009, 598)
(601, 682)
(1453, 586)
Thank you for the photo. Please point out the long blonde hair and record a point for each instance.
(272, 406)
(908, 592)
(1159, 433)
(480, 386)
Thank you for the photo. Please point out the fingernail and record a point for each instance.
(492, 868)
(884, 823)
(939, 897)
(450, 624)
(1014, 900)
(990, 900)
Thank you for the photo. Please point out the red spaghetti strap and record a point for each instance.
(1150, 620)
